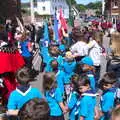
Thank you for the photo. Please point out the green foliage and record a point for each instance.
(98, 13)
(81, 7)
(96, 5)
(71, 2)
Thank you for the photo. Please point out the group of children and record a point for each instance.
(82, 102)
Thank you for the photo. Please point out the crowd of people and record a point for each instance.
(73, 88)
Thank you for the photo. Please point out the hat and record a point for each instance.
(87, 60)
(68, 54)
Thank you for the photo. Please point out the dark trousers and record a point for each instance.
(28, 61)
(97, 74)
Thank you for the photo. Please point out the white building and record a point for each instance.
(49, 7)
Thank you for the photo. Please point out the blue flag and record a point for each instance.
(56, 35)
(46, 32)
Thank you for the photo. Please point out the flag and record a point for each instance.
(63, 25)
(46, 32)
(22, 29)
(62, 20)
(56, 35)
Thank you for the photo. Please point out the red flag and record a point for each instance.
(62, 20)
(63, 24)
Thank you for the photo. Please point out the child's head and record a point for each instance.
(74, 80)
(54, 51)
(24, 76)
(49, 81)
(83, 83)
(108, 80)
(63, 41)
(87, 64)
(69, 56)
(35, 109)
(116, 113)
(54, 65)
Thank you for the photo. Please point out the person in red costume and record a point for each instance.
(10, 62)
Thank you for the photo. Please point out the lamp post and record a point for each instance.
(70, 14)
(32, 11)
(103, 7)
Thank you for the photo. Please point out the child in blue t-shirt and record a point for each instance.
(53, 96)
(60, 75)
(54, 55)
(74, 98)
(82, 101)
(88, 99)
(24, 92)
(108, 97)
(87, 67)
(69, 65)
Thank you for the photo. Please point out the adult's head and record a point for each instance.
(35, 109)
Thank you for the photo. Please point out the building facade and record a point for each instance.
(50, 7)
(112, 9)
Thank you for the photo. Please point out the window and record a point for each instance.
(115, 4)
(43, 8)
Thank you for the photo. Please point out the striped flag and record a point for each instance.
(56, 35)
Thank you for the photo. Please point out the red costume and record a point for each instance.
(10, 62)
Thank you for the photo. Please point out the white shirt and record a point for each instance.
(95, 52)
(80, 48)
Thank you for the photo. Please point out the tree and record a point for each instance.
(96, 5)
(71, 2)
(81, 7)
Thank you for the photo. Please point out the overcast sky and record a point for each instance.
(78, 1)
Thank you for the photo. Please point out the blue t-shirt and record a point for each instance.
(107, 103)
(53, 100)
(69, 67)
(24, 48)
(67, 78)
(17, 98)
(59, 59)
(60, 80)
(87, 107)
(73, 105)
